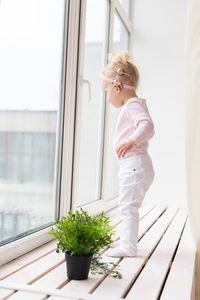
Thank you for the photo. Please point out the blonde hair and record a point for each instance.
(121, 68)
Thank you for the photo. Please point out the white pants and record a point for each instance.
(136, 174)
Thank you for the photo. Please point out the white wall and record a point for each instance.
(159, 41)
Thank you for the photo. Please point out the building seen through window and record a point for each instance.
(27, 160)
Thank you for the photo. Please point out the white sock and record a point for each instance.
(120, 252)
(115, 244)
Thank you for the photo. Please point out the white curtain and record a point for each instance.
(192, 89)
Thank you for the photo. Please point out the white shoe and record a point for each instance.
(115, 244)
(120, 252)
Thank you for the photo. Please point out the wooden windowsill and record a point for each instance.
(164, 266)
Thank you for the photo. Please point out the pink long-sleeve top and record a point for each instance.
(134, 123)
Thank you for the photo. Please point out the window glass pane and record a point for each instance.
(26, 168)
(126, 6)
(9, 222)
(3, 165)
(121, 35)
(31, 38)
(2, 142)
(13, 142)
(27, 142)
(42, 168)
(120, 42)
(12, 166)
(87, 182)
(23, 222)
(41, 143)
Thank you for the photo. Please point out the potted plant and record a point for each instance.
(81, 236)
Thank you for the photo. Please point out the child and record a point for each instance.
(133, 130)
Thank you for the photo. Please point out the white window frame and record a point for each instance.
(23, 245)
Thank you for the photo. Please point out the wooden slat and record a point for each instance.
(52, 279)
(36, 291)
(5, 292)
(159, 262)
(24, 260)
(31, 296)
(74, 295)
(36, 269)
(58, 298)
(181, 277)
(131, 266)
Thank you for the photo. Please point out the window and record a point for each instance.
(31, 37)
(90, 124)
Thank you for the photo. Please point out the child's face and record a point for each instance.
(112, 92)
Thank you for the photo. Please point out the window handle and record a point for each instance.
(82, 80)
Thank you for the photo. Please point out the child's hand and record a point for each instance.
(122, 148)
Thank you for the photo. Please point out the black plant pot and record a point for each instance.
(78, 266)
